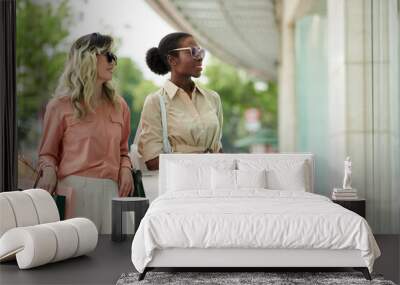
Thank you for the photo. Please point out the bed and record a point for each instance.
(247, 210)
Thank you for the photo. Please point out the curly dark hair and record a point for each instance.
(156, 57)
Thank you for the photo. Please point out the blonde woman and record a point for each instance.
(85, 132)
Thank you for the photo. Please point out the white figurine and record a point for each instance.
(347, 174)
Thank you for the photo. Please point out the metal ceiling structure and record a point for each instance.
(242, 33)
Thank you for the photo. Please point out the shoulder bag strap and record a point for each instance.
(166, 145)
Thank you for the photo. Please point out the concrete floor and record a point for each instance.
(102, 266)
(110, 260)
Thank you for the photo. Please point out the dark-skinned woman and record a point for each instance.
(194, 114)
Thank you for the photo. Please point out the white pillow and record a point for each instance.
(182, 177)
(251, 178)
(223, 179)
(283, 174)
(179, 172)
(226, 179)
(291, 179)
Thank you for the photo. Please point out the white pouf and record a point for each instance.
(45, 207)
(31, 231)
(7, 218)
(24, 211)
(37, 245)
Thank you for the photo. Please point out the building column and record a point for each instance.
(287, 97)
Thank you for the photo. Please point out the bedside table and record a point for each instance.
(356, 205)
(119, 205)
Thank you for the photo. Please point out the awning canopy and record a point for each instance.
(242, 33)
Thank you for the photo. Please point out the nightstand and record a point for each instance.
(357, 205)
(119, 205)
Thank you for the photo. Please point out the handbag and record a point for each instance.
(60, 200)
(138, 184)
(136, 158)
(137, 165)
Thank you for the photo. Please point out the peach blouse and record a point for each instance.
(95, 146)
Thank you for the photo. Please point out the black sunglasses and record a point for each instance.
(111, 57)
(95, 40)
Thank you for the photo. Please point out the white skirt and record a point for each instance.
(93, 198)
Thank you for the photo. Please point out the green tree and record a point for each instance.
(238, 92)
(41, 29)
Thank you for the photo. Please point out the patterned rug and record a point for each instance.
(243, 278)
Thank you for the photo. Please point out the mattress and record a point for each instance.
(251, 219)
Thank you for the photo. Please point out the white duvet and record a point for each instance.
(253, 218)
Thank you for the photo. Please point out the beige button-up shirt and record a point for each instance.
(194, 125)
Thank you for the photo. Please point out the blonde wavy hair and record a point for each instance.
(80, 73)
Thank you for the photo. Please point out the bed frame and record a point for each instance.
(245, 259)
(241, 259)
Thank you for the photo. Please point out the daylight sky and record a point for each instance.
(133, 21)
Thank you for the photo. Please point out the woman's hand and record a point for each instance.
(125, 182)
(48, 181)
(152, 164)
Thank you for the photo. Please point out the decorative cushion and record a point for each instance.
(281, 174)
(223, 179)
(226, 179)
(183, 177)
(200, 169)
(251, 178)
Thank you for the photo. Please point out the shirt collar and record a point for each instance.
(172, 89)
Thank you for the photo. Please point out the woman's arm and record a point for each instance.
(125, 180)
(126, 129)
(151, 141)
(153, 164)
(49, 148)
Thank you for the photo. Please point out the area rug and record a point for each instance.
(243, 278)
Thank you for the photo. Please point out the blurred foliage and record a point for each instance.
(261, 137)
(41, 29)
(239, 92)
(41, 52)
(134, 88)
